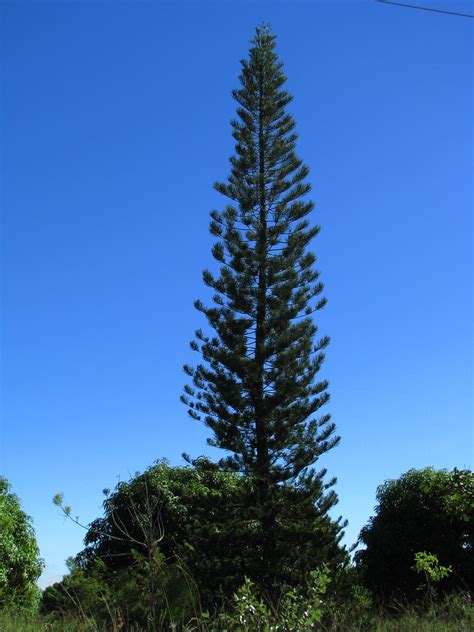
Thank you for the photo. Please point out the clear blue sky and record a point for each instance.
(115, 124)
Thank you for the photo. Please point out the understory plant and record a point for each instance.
(296, 609)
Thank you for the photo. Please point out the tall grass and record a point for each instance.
(20, 622)
(453, 614)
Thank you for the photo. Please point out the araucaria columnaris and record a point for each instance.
(256, 388)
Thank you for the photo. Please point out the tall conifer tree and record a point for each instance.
(256, 388)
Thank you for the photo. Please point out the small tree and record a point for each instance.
(20, 564)
(256, 389)
(427, 565)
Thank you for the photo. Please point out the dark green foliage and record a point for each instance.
(348, 604)
(152, 526)
(256, 388)
(80, 592)
(191, 504)
(20, 564)
(424, 510)
(206, 535)
(455, 613)
(103, 596)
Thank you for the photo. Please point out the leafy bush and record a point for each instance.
(80, 593)
(20, 564)
(424, 510)
(207, 536)
(297, 610)
(175, 541)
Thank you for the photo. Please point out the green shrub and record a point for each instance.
(20, 564)
(424, 510)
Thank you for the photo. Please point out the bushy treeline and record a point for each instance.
(423, 511)
(20, 564)
(175, 550)
(175, 547)
(187, 536)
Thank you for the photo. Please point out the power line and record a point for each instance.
(415, 6)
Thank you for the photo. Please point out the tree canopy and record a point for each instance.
(20, 564)
(424, 510)
(207, 525)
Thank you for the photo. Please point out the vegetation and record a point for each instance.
(200, 573)
(424, 510)
(310, 607)
(20, 564)
(201, 551)
(256, 388)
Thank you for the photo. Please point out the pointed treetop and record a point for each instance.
(263, 32)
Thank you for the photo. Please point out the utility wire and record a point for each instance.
(415, 6)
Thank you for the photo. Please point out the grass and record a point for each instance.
(414, 623)
(454, 615)
(11, 622)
